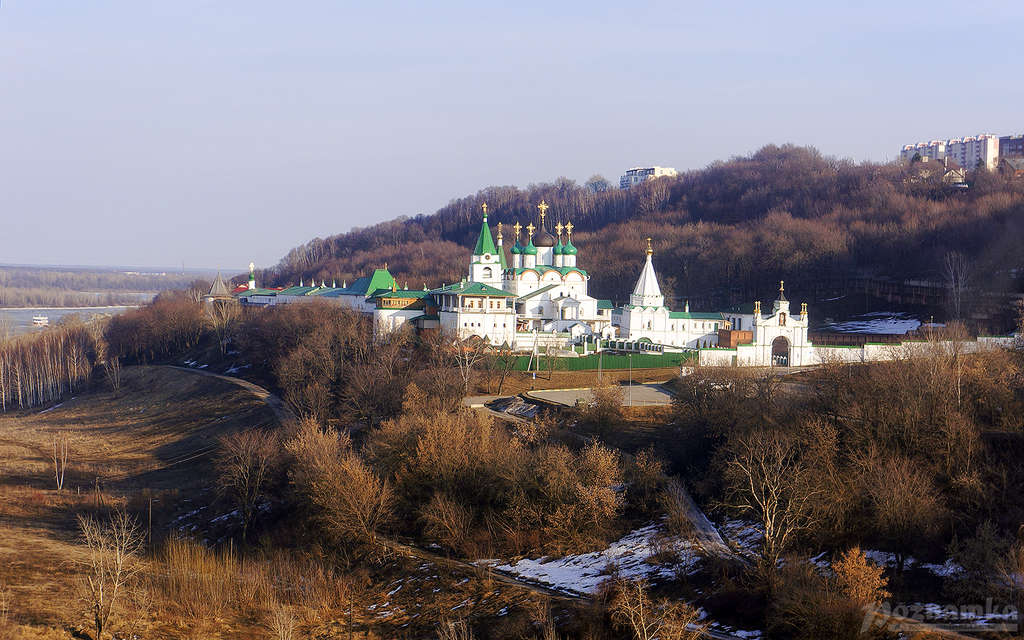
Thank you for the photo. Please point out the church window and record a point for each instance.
(487, 272)
(782, 319)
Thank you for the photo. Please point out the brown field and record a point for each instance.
(151, 443)
(152, 439)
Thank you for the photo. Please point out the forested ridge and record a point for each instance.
(722, 235)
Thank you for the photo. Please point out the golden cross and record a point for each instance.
(484, 207)
(499, 231)
(782, 286)
(529, 230)
(517, 227)
(568, 230)
(543, 206)
(558, 228)
(649, 249)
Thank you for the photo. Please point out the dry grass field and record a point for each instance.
(151, 439)
(152, 443)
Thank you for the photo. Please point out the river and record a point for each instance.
(19, 321)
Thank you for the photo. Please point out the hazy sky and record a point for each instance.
(218, 132)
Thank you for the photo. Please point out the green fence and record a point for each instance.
(607, 362)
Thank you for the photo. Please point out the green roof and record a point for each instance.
(558, 248)
(543, 268)
(484, 243)
(605, 304)
(472, 289)
(295, 291)
(569, 249)
(676, 315)
(366, 286)
(517, 248)
(501, 256)
(530, 249)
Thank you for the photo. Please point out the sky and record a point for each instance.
(212, 133)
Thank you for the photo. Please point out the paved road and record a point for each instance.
(639, 395)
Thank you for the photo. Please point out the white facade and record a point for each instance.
(975, 151)
(969, 152)
(636, 175)
(647, 318)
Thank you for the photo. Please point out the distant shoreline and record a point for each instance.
(109, 306)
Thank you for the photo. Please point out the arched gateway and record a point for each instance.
(780, 352)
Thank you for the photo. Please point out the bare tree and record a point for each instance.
(768, 479)
(633, 608)
(59, 455)
(112, 371)
(957, 270)
(466, 355)
(245, 467)
(222, 315)
(110, 566)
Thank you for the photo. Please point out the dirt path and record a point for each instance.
(281, 410)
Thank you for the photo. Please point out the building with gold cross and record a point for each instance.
(538, 297)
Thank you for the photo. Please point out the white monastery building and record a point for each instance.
(540, 298)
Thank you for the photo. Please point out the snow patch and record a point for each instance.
(630, 557)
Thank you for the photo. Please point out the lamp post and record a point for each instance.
(630, 379)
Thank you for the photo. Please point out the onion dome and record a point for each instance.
(517, 248)
(569, 249)
(530, 249)
(558, 248)
(544, 239)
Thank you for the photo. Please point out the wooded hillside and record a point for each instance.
(723, 235)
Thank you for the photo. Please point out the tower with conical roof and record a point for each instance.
(485, 266)
(647, 293)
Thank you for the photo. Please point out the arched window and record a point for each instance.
(782, 319)
(487, 273)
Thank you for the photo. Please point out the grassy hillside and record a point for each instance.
(722, 235)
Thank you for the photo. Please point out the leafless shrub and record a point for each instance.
(633, 608)
(447, 521)
(199, 582)
(5, 606)
(245, 466)
(454, 630)
(281, 622)
(352, 501)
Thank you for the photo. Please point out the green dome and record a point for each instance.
(559, 248)
(568, 249)
(517, 248)
(530, 250)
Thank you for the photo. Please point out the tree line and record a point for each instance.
(723, 235)
(44, 367)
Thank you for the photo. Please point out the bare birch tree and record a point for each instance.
(957, 271)
(110, 566)
(59, 455)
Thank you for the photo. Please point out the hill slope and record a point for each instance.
(722, 235)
